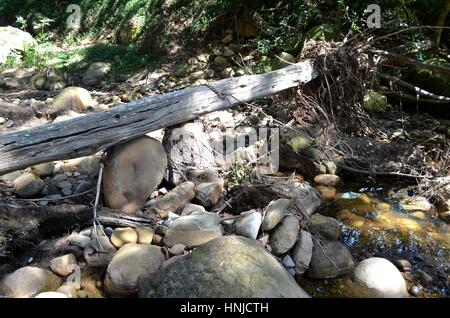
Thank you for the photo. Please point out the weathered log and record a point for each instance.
(88, 134)
(25, 226)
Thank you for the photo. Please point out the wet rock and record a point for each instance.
(414, 291)
(249, 225)
(193, 230)
(79, 240)
(236, 266)
(99, 255)
(187, 148)
(416, 203)
(174, 200)
(190, 208)
(123, 235)
(96, 73)
(329, 180)
(326, 226)
(327, 193)
(275, 212)
(128, 264)
(177, 249)
(51, 295)
(284, 236)
(381, 276)
(73, 98)
(133, 170)
(28, 185)
(302, 252)
(44, 169)
(330, 259)
(28, 282)
(209, 193)
(145, 235)
(63, 265)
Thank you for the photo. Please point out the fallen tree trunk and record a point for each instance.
(26, 226)
(88, 134)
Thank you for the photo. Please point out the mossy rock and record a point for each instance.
(433, 81)
(375, 102)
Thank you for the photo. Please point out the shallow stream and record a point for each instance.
(376, 221)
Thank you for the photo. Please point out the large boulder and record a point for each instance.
(230, 266)
(381, 276)
(329, 259)
(13, 39)
(187, 148)
(133, 170)
(193, 230)
(73, 98)
(28, 282)
(131, 261)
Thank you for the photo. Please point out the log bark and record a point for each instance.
(26, 226)
(91, 133)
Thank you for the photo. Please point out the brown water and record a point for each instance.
(374, 223)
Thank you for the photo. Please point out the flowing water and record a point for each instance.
(375, 222)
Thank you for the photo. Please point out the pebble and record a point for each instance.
(63, 265)
(122, 236)
(145, 235)
(288, 262)
(80, 240)
(161, 230)
(108, 231)
(2, 120)
(177, 249)
(414, 291)
(249, 225)
(9, 123)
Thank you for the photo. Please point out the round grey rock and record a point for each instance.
(381, 276)
(284, 236)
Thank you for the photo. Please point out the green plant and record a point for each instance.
(22, 22)
(42, 24)
(11, 60)
(237, 173)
